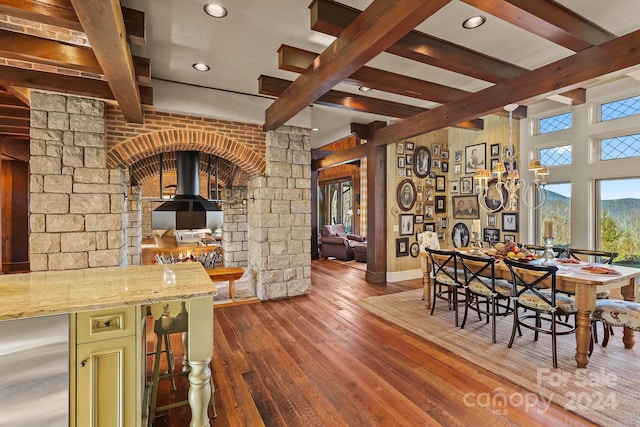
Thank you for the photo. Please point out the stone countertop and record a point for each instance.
(55, 292)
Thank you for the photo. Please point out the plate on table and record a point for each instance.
(570, 262)
(605, 271)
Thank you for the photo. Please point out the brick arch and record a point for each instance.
(139, 147)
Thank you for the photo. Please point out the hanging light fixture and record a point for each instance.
(505, 193)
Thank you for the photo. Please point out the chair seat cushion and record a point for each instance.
(618, 313)
(565, 303)
(502, 287)
(446, 278)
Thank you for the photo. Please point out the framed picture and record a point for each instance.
(428, 194)
(466, 185)
(441, 204)
(406, 224)
(428, 212)
(510, 238)
(400, 148)
(414, 250)
(444, 222)
(435, 164)
(444, 154)
(457, 169)
(465, 207)
(454, 186)
(401, 162)
(441, 236)
(402, 247)
(460, 235)
(418, 206)
(495, 150)
(491, 235)
(493, 198)
(491, 220)
(402, 172)
(422, 162)
(430, 226)
(408, 172)
(441, 183)
(409, 159)
(445, 166)
(410, 145)
(436, 150)
(406, 194)
(419, 219)
(457, 156)
(475, 158)
(510, 222)
(494, 163)
(428, 182)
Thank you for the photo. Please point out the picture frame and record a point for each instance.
(460, 235)
(492, 196)
(406, 194)
(402, 247)
(400, 148)
(465, 207)
(444, 154)
(475, 158)
(419, 219)
(494, 163)
(445, 166)
(428, 194)
(436, 150)
(430, 226)
(428, 212)
(401, 162)
(509, 238)
(414, 250)
(444, 222)
(454, 186)
(402, 172)
(491, 235)
(421, 162)
(495, 150)
(410, 145)
(408, 173)
(409, 160)
(435, 164)
(510, 222)
(441, 183)
(406, 224)
(466, 185)
(441, 204)
(491, 220)
(457, 156)
(457, 169)
(441, 236)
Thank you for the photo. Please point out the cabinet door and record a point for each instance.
(106, 389)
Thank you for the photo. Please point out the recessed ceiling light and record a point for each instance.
(364, 88)
(315, 129)
(215, 10)
(474, 22)
(201, 67)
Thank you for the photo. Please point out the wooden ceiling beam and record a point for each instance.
(64, 84)
(331, 18)
(37, 50)
(63, 15)
(298, 60)
(383, 23)
(547, 19)
(104, 26)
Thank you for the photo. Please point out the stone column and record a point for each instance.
(234, 238)
(279, 217)
(77, 204)
(134, 226)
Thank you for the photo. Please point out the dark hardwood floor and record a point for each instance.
(321, 360)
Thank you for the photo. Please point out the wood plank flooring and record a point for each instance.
(321, 360)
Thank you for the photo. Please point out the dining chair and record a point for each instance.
(446, 279)
(558, 251)
(482, 287)
(535, 292)
(614, 312)
(601, 257)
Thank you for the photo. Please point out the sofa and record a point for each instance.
(335, 242)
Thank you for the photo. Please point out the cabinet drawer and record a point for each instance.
(105, 324)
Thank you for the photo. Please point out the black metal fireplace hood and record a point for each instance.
(188, 210)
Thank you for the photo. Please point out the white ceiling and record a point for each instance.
(243, 46)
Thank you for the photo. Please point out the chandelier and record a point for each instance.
(499, 192)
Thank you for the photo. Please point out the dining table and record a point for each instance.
(577, 279)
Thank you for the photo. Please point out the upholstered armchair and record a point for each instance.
(335, 242)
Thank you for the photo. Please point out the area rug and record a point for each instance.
(607, 392)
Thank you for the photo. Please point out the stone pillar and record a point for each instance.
(234, 238)
(77, 204)
(134, 226)
(279, 217)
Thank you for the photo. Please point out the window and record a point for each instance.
(556, 209)
(335, 203)
(555, 123)
(556, 156)
(620, 147)
(619, 222)
(620, 108)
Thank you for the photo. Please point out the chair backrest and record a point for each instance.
(558, 251)
(602, 257)
(428, 240)
(446, 265)
(480, 269)
(335, 230)
(533, 278)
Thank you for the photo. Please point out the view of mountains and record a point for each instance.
(614, 207)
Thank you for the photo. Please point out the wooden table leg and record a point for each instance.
(200, 345)
(426, 280)
(232, 290)
(585, 303)
(629, 293)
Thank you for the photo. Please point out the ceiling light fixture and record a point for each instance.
(215, 10)
(533, 195)
(364, 88)
(315, 129)
(201, 67)
(474, 22)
